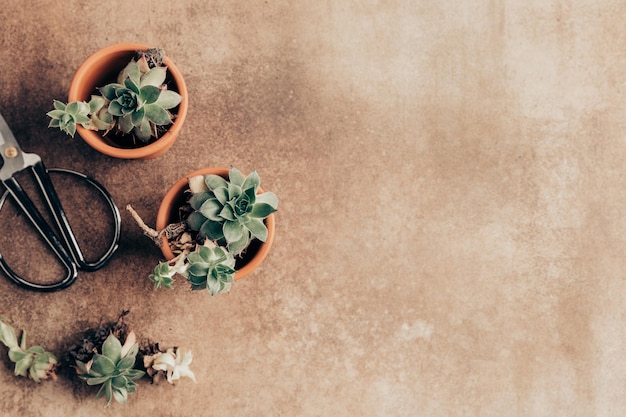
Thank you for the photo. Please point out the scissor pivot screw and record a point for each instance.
(10, 152)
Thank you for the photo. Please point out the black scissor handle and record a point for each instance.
(69, 252)
(56, 208)
(28, 208)
(69, 279)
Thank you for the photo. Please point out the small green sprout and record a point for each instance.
(164, 273)
(33, 362)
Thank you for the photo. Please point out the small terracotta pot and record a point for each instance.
(104, 66)
(174, 198)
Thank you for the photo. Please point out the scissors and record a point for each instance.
(12, 161)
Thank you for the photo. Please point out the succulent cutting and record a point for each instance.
(34, 362)
(113, 369)
(100, 359)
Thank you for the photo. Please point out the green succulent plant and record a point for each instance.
(33, 362)
(113, 369)
(227, 215)
(230, 212)
(164, 272)
(138, 102)
(67, 116)
(210, 267)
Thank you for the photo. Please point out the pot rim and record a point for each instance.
(175, 191)
(93, 138)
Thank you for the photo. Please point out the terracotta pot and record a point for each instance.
(174, 198)
(104, 66)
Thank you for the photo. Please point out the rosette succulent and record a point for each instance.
(67, 116)
(171, 364)
(113, 369)
(33, 362)
(138, 102)
(230, 212)
(209, 267)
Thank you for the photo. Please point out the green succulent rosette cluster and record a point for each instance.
(138, 102)
(208, 267)
(230, 212)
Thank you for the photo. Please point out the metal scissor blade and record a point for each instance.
(12, 158)
(6, 136)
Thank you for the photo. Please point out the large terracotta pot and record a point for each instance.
(102, 67)
(174, 198)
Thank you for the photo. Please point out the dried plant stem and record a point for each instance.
(170, 232)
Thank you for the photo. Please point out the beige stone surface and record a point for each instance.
(450, 238)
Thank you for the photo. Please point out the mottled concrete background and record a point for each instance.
(451, 234)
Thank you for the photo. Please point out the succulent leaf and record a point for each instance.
(96, 103)
(236, 177)
(221, 193)
(227, 213)
(149, 93)
(212, 230)
(252, 181)
(108, 91)
(58, 105)
(33, 362)
(197, 199)
(233, 231)
(102, 365)
(240, 245)
(131, 71)
(7, 335)
(22, 366)
(144, 130)
(154, 77)
(16, 355)
(211, 209)
(214, 181)
(257, 228)
(169, 99)
(112, 349)
(195, 220)
(157, 115)
(261, 210)
(268, 198)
